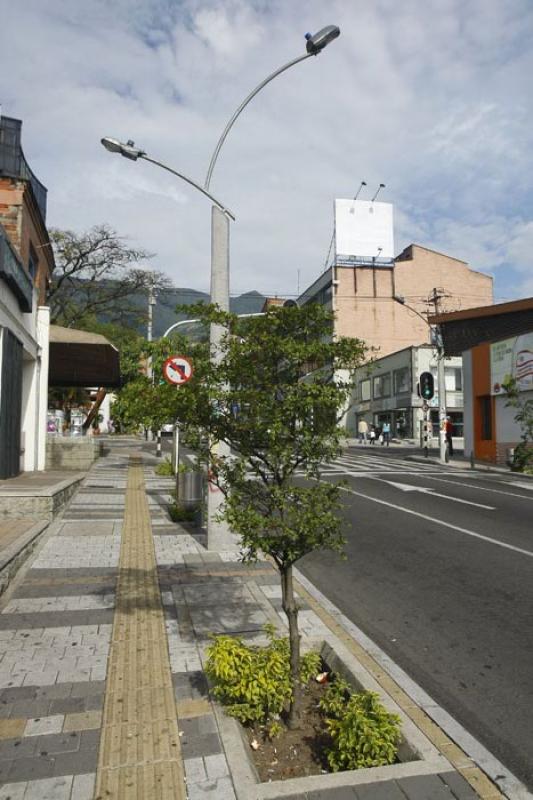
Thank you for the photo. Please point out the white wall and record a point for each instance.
(33, 331)
(507, 430)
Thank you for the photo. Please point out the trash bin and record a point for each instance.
(510, 456)
(190, 488)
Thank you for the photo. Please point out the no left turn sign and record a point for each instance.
(177, 370)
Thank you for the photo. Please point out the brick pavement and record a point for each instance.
(71, 624)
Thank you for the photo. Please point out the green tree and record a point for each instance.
(97, 274)
(275, 398)
(523, 456)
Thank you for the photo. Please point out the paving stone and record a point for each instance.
(382, 790)
(51, 619)
(88, 688)
(12, 749)
(459, 786)
(88, 720)
(16, 693)
(29, 769)
(206, 745)
(83, 787)
(12, 728)
(59, 743)
(90, 740)
(81, 762)
(49, 789)
(221, 789)
(44, 725)
(195, 770)
(31, 708)
(69, 705)
(216, 766)
(425, 787)
(13, 791)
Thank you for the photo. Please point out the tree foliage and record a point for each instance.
(275, 396)
(98, 274)
(523, 456)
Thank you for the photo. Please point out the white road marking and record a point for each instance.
(440, 522)
(408, 487)
(473, 486)
(522, 485)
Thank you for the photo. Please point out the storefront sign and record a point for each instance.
(512, 358)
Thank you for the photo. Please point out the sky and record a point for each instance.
(430, 97)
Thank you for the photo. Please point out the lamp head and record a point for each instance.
(318, 41)
(128, 150)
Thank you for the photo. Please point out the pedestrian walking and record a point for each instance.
(362, 430)
(372, 435)
(448, 433)
(385, 433)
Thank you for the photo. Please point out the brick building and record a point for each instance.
(26, 263)
(365, 296)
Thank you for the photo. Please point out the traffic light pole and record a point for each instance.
(441, 388)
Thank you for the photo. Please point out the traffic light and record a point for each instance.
(427, 386)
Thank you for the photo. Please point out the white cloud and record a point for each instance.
(432, 99)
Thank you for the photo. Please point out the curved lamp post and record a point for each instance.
(219, 537)
(436, 339)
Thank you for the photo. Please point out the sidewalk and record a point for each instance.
(102, 692)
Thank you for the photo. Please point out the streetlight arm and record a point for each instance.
(191, 182)
(242, 107)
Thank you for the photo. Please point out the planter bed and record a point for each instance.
(416, 755)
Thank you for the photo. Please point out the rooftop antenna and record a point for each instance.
(380, 187)
(363, 183)
(380, 249)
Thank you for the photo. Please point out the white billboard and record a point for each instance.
(363, 229)
(512, 358)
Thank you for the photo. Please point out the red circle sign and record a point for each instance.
(177, 370)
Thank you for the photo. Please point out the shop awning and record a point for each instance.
(79, 358)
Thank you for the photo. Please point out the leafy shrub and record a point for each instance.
(165, 468)
(523, 458)
(178, 513)
(254, 682)
(363, 732)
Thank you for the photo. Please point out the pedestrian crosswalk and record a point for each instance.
(355, 462)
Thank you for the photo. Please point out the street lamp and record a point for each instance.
(436, 340)
(218, 534)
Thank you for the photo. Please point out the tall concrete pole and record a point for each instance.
(219, 536)
(441, 379)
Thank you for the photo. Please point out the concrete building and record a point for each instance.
(26, 263)
(386, 391)
(363, 293)
(496, 342)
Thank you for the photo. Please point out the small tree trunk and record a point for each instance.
(291, 610)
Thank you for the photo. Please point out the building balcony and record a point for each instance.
(13, 164)
(13, 273)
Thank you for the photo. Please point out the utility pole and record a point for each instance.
(149, 336)
(435, 298)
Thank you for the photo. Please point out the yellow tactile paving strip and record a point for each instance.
(483, 787)
(139, 755)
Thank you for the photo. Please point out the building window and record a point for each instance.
(453, 377)
(402, 380)
(364, 390)
(382, 386)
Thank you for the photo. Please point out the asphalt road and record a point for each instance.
(442, 581)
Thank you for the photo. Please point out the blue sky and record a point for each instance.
(431, 98)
